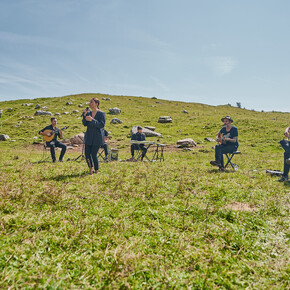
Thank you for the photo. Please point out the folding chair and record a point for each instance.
(230, 157)
(44, 156)
(101, 155)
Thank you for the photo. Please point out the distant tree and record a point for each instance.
(239, 105)
(154, 98)
(229, 105)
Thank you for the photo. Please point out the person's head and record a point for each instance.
(94, 103)
(53, 121)
(227, 120)
(139, 129)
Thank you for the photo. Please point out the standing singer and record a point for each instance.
(95, 121)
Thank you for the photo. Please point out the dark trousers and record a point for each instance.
(52, 146)
(138, 147)
(222, 149)
(286, 146)
(106, 149)
(91, 152)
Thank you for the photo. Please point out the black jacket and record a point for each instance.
(95, 129)
(139, 137)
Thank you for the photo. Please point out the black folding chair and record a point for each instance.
(230, 157)
(101, 155)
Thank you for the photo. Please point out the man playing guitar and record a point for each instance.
(227, 138)
(53, 131)
(286, 146)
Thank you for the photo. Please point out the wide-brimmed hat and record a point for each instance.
(228, 118)
(139, 128)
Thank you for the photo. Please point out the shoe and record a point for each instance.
(53, 161)
(215, 163)
(222, 169)
(132, 158)
(288, 161)
(283, 179)
(106, 159)
(60, 160)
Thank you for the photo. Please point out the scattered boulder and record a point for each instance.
(115, 111)
(150, 128)
(37, 106)
(165, 119)
(65, 113)
(68, 103)
(42, 113)
(108, 99)
(75, 111)
(188, 142)
(4, 137)
(57, 114)
(27, 105)
(77, 139)
(44, 108)
(103, 98)
(209, 139)
(80, 105)
(184, 111)
(147, 132)
(116, 121)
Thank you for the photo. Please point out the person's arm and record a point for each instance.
(44, 134)
(60, 134)
(100, 123)
(134, 137)
(287, 132)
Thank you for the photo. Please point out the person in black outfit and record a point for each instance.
(54, 142)
(94, 137)
(139, 136)
(286, 146)
(227, 138)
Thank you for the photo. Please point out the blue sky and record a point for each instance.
(213, 52)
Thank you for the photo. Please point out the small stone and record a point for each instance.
(45, 108)
(115, 111)
(184, 111)
(80, 105)
(75, 111)
(165, 119)
(9, 109)
(4, 137)
(188, 142)
(65, 113)
(116, 121)
(35, 138)
(37, 106)
(68, 103)
(108, 99)
(27, 105)
(42, 113)
(20, 122)
(57, 114)
(209, 139)
(87, 103)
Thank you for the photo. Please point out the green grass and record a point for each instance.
(144, 225)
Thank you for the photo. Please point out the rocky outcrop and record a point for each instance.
(147, 132)
(116, 121)
(115, 111)
(77, 139)
(188, 142)
(4, 137)
(165, 119)
(42, 113)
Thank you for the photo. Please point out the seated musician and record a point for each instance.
(227, 138)
(139, 136)
(105, 146)
(286, 146)
(54, 142)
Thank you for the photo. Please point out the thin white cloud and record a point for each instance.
(221, 65)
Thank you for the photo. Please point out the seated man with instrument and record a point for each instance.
(106, 146)
(227, 138)
(50, 134)
(286, 146)
(139, 136)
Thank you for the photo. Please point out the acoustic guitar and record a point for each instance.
(52, 134)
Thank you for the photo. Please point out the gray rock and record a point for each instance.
(108, 99)
(103, 98)
(75, 111)
(87, 103)
(42, 113)
(184, 111)
(65, 113)
(165, 119)
(37, 106)
(188, 142)
(44, 108)
(9, 109)
(27, 105)
(68, 103)
(150, 128)
(147, 132)
(115, 111)
(57, 114)
(80, 105)
(209, 139)
(116, 121)
(4, 137)
(35, 138)
(77, 139)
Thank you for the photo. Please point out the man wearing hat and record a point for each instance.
(139, 136)
(286, 146)
(227, 138)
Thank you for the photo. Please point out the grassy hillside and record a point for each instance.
(179, 223)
